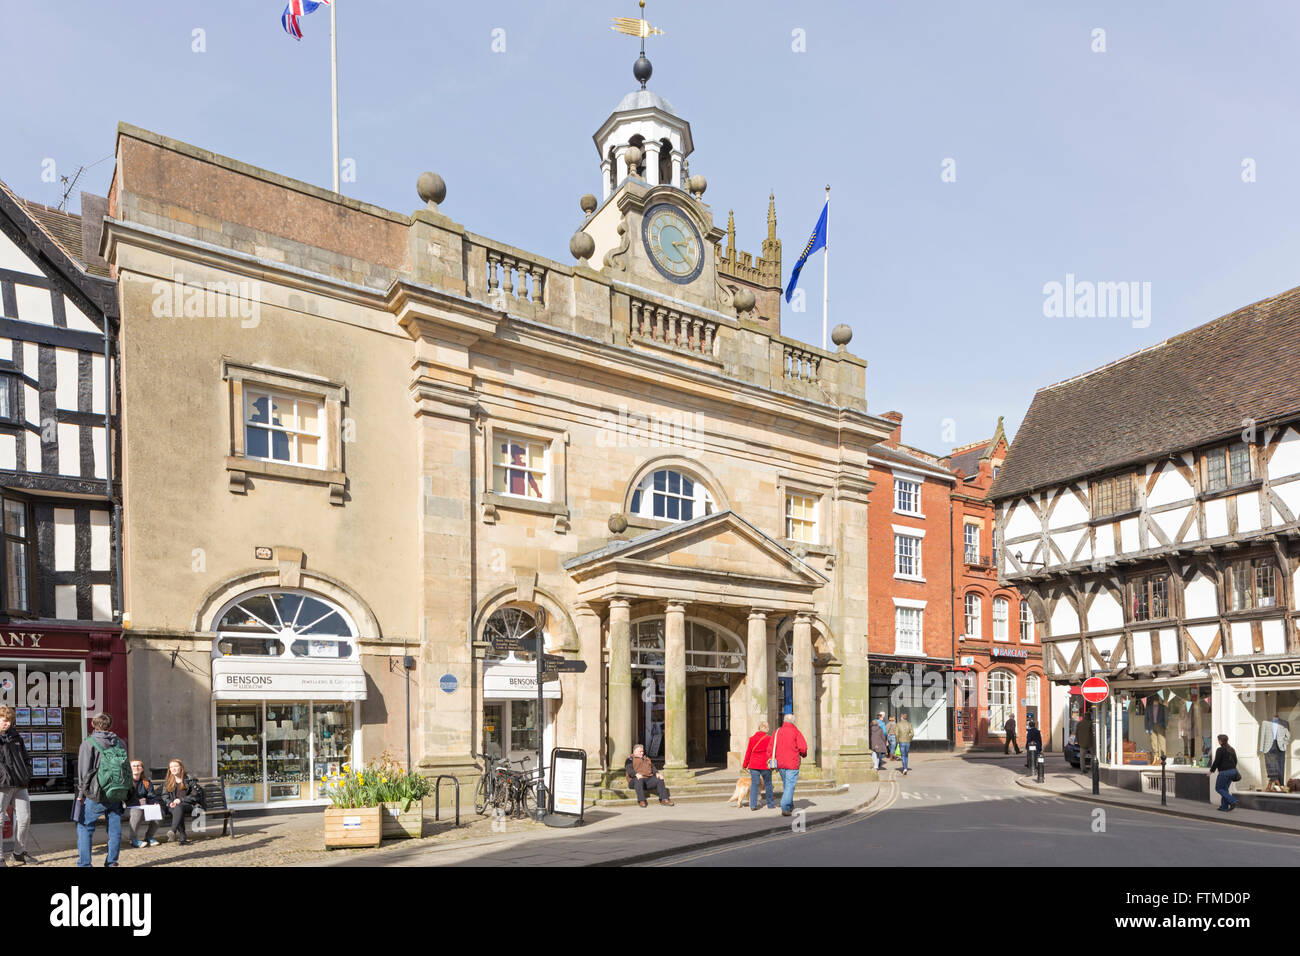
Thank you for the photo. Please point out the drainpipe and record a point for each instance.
(109, 377)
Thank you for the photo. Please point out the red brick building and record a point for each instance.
(996, 647)
(910, 587)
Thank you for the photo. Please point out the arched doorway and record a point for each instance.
(511, 720)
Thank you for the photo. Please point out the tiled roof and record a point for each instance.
(63, 227)
(1189, 390)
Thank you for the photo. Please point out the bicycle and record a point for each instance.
(491, 791)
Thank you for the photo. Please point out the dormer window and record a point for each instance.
(670, 495)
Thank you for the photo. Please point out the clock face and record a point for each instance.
(673, 243)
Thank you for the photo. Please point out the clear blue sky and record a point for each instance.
(1117, 166)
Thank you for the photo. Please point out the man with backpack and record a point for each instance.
(103, 783)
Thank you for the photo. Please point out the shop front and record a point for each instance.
(56, 679)
(1260, 715)
(1143, 721)
(287, 683)
(510, 717)
(919, 688)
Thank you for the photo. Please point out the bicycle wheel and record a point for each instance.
(481, 796)
(527, 800)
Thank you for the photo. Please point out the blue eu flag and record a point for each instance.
(818, 241)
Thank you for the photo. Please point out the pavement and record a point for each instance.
(1060, 779)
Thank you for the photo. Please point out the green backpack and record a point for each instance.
(114, 773)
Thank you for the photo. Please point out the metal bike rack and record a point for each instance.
(437, 796)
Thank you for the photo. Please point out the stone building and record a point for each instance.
(358, 440)
(1148, 513)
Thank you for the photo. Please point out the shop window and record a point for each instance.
(51, 734)
(1149, 597)
(1227, 467)
(1170, 722)
(1002, 700)
(670, 495)
(279, 752)
(330, 650)
(1252, 584)
(1001, 618)
(974, 608)
(1112, 495)
(519, 467)
(801, 518)
(18, 557)
(284, 427)
(250, 647)
(1026, 623)
(648, 645)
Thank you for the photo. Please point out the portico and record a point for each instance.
(695, 603)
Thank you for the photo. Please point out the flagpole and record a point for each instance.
(334, 86)
(826, 265)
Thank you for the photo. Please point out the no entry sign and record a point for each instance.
(1095, 690)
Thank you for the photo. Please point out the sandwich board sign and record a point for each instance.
(568, 787)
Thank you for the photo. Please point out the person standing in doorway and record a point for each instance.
(1011, 741)
(789, 747)
(757, 755)
(906, 733)
(879, 741)
(15, 775)
(101, 794)
(1225, 762)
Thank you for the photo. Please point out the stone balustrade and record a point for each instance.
(801, 365)
(509, 274)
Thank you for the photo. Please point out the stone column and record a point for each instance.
(756, 668)
(805, 697)
(677, 170)
(587, 619)
(675, 686)
(604, 178)
(652, 161)
(619, 734)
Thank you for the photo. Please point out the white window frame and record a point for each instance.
(815, 500)
(252, 393)
(1005, 621)
(916, 534)
(998, 710)
(500, 436)
(1026, 617)
(968, 555)
(906, 608)
(977, 632)
(907, 479)
(704, 502)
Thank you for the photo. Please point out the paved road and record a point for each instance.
(956, 812)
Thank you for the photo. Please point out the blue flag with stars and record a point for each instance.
(818, 241)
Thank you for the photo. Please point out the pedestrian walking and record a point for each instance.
(1083, 737)
(906, 733)
(1033, 743)
(103, 782)
(143, 794)
(181, 794)
(758, 761)
(1010, 728)
(1225, 762)
(879, 740)
(15, 775)
(788, 746)
(891, 735)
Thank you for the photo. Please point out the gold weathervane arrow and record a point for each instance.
(634, 26)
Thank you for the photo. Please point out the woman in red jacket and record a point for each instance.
(756, 757)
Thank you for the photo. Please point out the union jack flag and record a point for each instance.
(299, 8)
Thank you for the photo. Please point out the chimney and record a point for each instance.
(93, 210)
(896, 435)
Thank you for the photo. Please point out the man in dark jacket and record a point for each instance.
(641, 773)
(15, 774)
(1010, 728)
(1033, 741)
(89, 793)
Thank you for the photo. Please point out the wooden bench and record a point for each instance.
(214, 804)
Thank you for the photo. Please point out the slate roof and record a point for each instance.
(1189, 390)
(969, 460)
(904, 459)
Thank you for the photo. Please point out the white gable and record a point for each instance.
(1286, 457)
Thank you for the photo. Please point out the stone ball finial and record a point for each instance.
(743, 300)
(582, 246)
(588, 203)
(432, 189)
(841, 335)
(632, 156)
(697, 184)
(617, 523)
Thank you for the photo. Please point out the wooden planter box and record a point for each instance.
(403, 826)
(359, 827)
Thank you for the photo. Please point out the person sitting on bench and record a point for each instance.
(641, 773)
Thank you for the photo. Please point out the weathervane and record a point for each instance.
(637, 27)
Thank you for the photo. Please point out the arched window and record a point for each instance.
(784, 656)
(508, 625)
(1026, 623)
(974, 615)
(671, 495)
(1001, 613)
(275, 623)
(707, 650)
(1002, 699)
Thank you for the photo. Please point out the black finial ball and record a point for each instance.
(642, 69)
